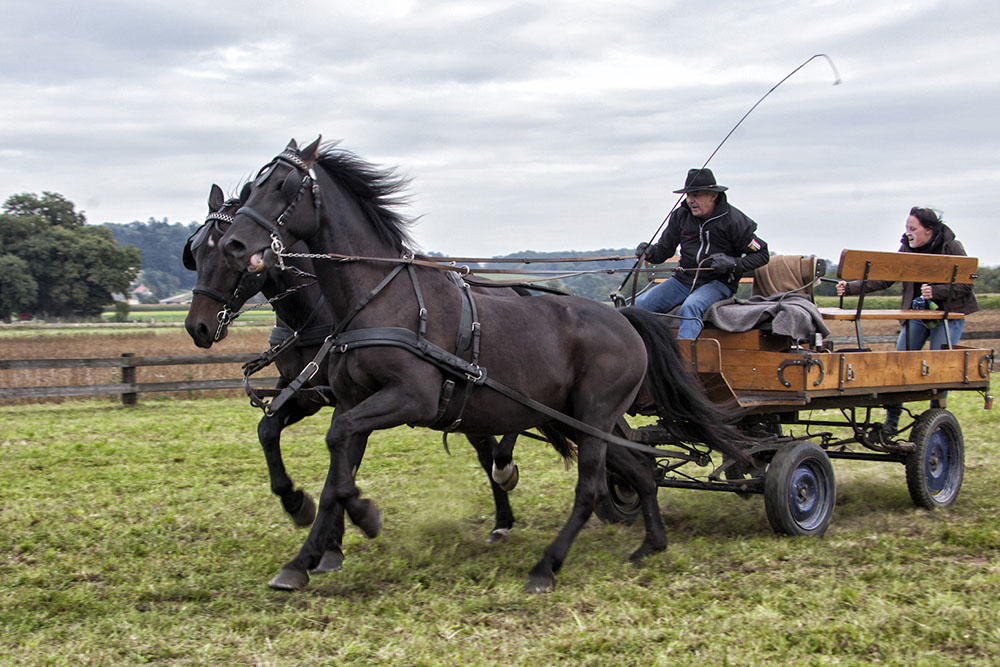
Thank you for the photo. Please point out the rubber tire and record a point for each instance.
(934, 471)
(621, 505)
(800, 491)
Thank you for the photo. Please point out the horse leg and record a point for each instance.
(638, 470)
(333, 554)
(504, 471)
(327, 529)
(348, 433)
(296, 502)
(486, 446)
(591, 483)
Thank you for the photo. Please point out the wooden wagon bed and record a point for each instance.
(766, 372)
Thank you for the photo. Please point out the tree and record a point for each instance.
(51, 206)
(75, 267)
(18, 289)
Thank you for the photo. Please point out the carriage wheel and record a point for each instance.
(621, 505)
(934, 470)
(799, 490)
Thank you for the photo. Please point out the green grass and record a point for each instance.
(148, 534)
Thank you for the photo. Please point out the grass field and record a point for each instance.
(147, 535)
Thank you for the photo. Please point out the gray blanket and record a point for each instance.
(790, 315)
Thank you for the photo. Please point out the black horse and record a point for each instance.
(398, 325)
(304, 321)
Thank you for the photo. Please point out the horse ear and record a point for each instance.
(245, 192)
(311, 152)
(216, 198)
(292, 146)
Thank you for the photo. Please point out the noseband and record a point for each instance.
(307, 182)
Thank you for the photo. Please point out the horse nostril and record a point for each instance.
(234, 247)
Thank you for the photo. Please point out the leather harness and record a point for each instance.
(341, 340)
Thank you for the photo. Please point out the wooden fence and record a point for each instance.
(129, 389)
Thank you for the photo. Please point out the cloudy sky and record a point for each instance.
(552, 125)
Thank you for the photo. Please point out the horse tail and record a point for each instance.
(558, 441)
(681, 401)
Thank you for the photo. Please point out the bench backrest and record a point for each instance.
(906, 267)
(909, 267)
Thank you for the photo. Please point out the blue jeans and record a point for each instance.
(669, 294)
(918, 335)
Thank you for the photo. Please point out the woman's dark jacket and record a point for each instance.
(963, 300)
(727, 231)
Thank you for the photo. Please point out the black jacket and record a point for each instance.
(963, 300)
(727, 231)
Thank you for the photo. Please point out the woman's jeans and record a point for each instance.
(918, 334)
(670, 293)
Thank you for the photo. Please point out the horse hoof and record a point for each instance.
(498, 535)
(539, 584)
(506, 478)
(306, 512)
(289, 580)
(643, 551)
(330, 562)
(371, 523)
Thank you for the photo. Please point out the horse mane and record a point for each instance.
(377, 191)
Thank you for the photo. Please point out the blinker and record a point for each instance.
(264, 173)
(291, 186)
(199, 237)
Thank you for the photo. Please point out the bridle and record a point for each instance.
(306, 181)
(248, 282)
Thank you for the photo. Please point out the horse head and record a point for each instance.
(273, 218)
(330, 198)
(219, 292)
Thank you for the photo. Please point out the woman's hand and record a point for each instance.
(926, 291)
(841, 288)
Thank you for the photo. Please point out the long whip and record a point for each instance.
(631, 274)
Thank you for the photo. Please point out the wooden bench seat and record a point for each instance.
(907, 267)
(850, 314)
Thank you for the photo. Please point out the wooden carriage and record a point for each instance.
(780, 382)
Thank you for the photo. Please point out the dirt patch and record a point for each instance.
(984, 320)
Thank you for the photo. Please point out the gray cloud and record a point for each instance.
(546, 126)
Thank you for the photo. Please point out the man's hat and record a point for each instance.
(700, 179)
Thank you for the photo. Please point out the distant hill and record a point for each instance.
(595, 281)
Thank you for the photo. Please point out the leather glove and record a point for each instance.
(641, 249)
(723, 264)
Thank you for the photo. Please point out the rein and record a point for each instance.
(465, 270)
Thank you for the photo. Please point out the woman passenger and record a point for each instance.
(925, 233)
